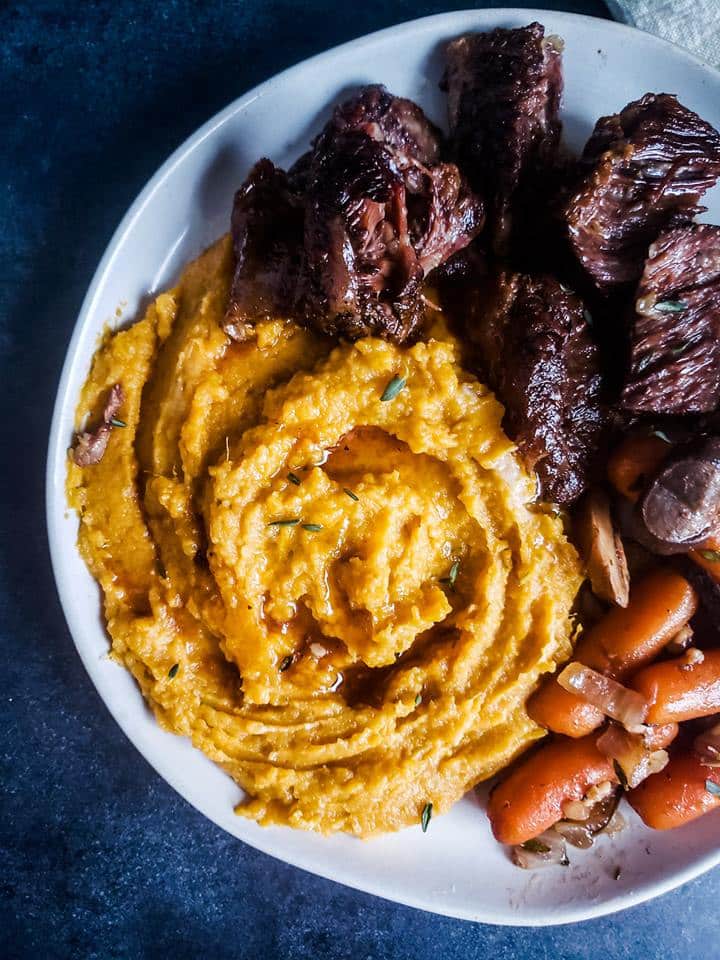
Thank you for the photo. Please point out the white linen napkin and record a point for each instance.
(694, 24)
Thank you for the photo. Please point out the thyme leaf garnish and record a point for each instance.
(712, 788)
(712, 555)
(393, 388)
(620, 773)
(670, 306)
(452, 576)
(535, 846)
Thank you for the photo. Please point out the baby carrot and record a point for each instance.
(677, 794)
(681, 688)
(559, 710)
(634, 462)
(625, 639)
(531, 798)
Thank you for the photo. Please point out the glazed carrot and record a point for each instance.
(634, 462)
(676, 795)
(660, 604)
(556, 709)
(680, 689)
(660, 735)
(531, 798)
(625, 639)
(703, 557)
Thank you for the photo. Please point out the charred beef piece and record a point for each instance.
(362, 276)
(344, 240)
(675, 333)
(267, 232)
(299, 173)
(396, 122)
(447, 216)
(645, 169)
(535, 349)
(682, 504)
(378, 219)
(504, 90)
(459, 284)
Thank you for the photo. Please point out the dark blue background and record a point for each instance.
(98, 856)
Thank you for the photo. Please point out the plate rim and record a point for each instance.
(56, 452)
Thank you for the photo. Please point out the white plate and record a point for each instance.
(456, 868)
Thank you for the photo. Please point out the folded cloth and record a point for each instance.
(694, 24)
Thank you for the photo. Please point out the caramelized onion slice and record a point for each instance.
(615, 700)
(707, 746)
(589, 806)
(603, 812)
(616, 825)
(629, 752)
(582, 831)
(575, 833)
(543, 851)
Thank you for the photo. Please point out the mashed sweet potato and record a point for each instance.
(342, 593)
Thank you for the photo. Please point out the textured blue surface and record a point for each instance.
(98, 856)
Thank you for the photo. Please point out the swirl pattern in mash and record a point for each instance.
(341, 599)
